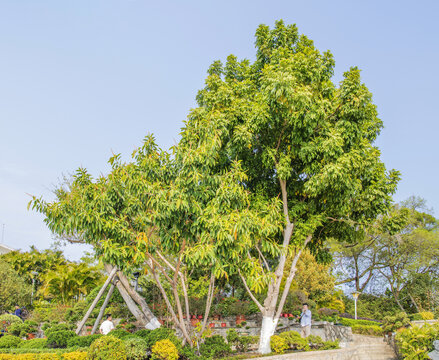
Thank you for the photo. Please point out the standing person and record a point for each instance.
(305, 321)
(18, 311)
(107, 325)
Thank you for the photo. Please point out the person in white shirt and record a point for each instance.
(107, 325)
(305, 321)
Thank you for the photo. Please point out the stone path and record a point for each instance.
(362, 348)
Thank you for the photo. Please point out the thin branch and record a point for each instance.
(258, 304)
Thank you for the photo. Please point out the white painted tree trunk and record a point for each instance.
(267, 331)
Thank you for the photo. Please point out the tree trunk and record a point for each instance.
(95, 301)
(103, 307)
(414, 303)
(267, 331)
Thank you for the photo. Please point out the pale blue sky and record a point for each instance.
(80, 79)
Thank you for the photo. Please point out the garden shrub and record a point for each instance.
(107, 348)
(232, 336)
(330, 345)
(120, 333)
(6, 357)
(44, 356)
(164, 350)
(295, 341)
(7, 319)
(136, 348)
(34, 344)
(215, 347)
(9, 341)
(278, 344)
(59, 339)
(56, 327)
(427, 315)
(188, 353)
(82, 341)
(244, 342)
(75, 355)
(241, 342)
(352, 322)
(143, 333)
(393, 323)
(29, 357)
(416, 317)
(22, 329)
(374, 330)
(160, 334)
(416, 342)
(327, 312)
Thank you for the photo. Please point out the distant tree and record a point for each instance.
(13, 289)
(70, 282)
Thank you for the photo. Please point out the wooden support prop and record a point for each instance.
(151, 321)
(132, 306)
(103, 307)
(95, 301)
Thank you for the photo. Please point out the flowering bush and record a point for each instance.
(164, 350)
(107, 348)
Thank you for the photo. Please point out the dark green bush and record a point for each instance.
(59, 339)
(82, 341)
(136, 348)
(188, 353)
(120, 333)
(144, 333)
(162, 334)
(9, 341)
(34, 344)
(215, 347)
(107, 348)
(295, 341)
(56, 327)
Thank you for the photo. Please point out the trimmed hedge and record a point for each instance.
(82, 341)
(59, 339)
(9, 341)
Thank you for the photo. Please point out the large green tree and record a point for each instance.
(300, 139)
(13, 289)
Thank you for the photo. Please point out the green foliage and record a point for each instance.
(21, 329)
(352, 322)
(6, 320)
(393, 323)
(427, 315)
(57, 327)
(13, 289)
(34, 344)
(162, 333)
(242, 343)
(295, 341)
(48, 312)
(164, 350)
(215, 347)
(9, 341)
(59, 339)
(83, 341)
(120, 333)
(107, 348)
(67, 281)
(278, 344)
(143, 333)
(374, 330)
(415, 342)
(136, 348)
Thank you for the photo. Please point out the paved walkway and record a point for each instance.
(362, 348)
